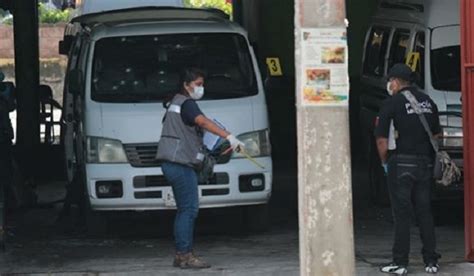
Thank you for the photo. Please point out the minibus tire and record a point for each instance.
(96, 222)
(256, 218)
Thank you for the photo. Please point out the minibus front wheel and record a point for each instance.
(256, 218)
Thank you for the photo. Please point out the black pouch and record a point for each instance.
(211, 158)
(206, 170)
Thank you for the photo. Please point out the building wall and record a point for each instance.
(50, 35)
(6, 45)
(52, 65)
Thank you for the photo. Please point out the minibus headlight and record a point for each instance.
(103, 150)
(257, 144)
(452, 137)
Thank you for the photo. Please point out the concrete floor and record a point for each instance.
(38, 245)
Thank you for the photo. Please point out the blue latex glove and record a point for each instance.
(385, 168)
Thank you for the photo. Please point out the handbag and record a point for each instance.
(206, 169)
(219, 154)
(445, 171)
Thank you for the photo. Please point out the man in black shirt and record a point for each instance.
(407, 157)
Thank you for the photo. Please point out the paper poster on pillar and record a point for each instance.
(325, 67)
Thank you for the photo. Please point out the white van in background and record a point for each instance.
(426, 35)
(122, 65)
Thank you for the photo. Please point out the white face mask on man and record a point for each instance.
(389, 90)
(197, 93)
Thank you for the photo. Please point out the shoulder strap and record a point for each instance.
(416, 107)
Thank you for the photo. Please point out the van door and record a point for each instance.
(375, 51)
(373, 71)
(419, 49)
(68, 110)
(445, 58)
(79, 106)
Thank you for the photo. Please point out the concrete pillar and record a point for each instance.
(25, 24)
(324, 173)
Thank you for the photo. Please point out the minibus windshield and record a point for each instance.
(147, 68)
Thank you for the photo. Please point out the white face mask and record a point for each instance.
(198, 93)
(390, 91)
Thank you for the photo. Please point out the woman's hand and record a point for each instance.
(235, 143)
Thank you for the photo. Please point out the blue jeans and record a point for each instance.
(183, 180)
(410, 177)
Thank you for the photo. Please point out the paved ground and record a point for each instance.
(141, 246)
(373, 234)
(38, 245)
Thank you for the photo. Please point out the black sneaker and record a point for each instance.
(432, 268)
(395, 269)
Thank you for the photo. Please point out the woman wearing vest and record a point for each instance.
(181, 149)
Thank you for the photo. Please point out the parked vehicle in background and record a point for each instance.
(122, 65)
(425, 35)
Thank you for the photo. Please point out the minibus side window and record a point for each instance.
(374, 64)
(420, 67)
(398, 49)
(445, 58)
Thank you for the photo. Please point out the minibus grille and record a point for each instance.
(142, 155)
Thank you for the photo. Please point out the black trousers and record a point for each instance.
(410, 177)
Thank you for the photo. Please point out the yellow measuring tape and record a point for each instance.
(251, 159)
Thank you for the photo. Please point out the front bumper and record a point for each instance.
(153, 197)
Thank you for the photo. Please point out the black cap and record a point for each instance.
(401, 71)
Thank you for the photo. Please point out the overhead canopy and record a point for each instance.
(145, 14)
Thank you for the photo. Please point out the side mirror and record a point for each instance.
(65, 45)
(75, 82)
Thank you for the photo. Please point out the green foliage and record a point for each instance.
(7, 21)
(51, 16)
(224, 5)
(5, 17)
